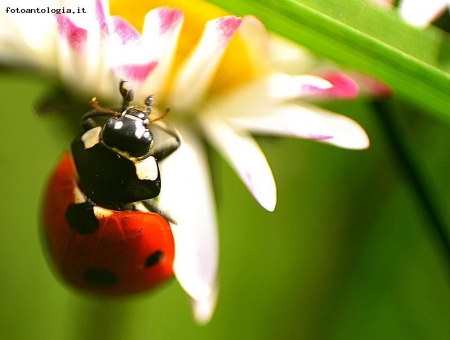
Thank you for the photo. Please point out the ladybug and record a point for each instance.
(104, 230)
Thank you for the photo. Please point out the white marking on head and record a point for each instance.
(91, 137)
(118, 125)
(147, 169)
(140, 129)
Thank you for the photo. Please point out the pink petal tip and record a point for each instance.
(135, 72)
(169, 18)
(227, 26)
(75, 36)
(343, 86)
(373, 86)
(124, 30)
(100, 15)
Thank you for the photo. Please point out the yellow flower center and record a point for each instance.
(236, 67)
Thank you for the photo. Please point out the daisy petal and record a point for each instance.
(285, 86)
(287, 120)
(72, 49)
(188, 196)
(371, 86)
(247, 159)
(196, 74)
(286, 56)
(134, 65)
(162, 19)
(28, 39)
(347, 133)
(255, 98)
(342, 86)
(420, 13)
(135, 73)
(160, 35)
(203, 310)
(257, 40)
(80, 56)
(124, 31)
(161, 30)
(101, 10)
(306, 122)
(74, 36)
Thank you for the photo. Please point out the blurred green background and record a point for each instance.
(348, 253)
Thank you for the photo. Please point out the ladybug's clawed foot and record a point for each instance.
(153, 206)
(127, 94)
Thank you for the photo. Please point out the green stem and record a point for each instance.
(99, 319)
(417, 175)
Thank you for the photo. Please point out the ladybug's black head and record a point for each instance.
(127, 131)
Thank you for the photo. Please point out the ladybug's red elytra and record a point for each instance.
(105, 232)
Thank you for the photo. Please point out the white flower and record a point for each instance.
(224, 87)
(421, 13)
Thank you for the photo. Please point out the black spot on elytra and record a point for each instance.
(154, 258)
(81, 217)
(100, 278)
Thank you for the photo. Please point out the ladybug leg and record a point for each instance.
(88, 123)
(167, 149)
(127, 95)
(153, 206)
(149, 103)
(88, 119)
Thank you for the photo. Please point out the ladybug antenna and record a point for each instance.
(98, 111)
(166, 112)
(149, 103)
(127, 94)
(99, 108)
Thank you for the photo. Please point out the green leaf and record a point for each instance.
(415, 63)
